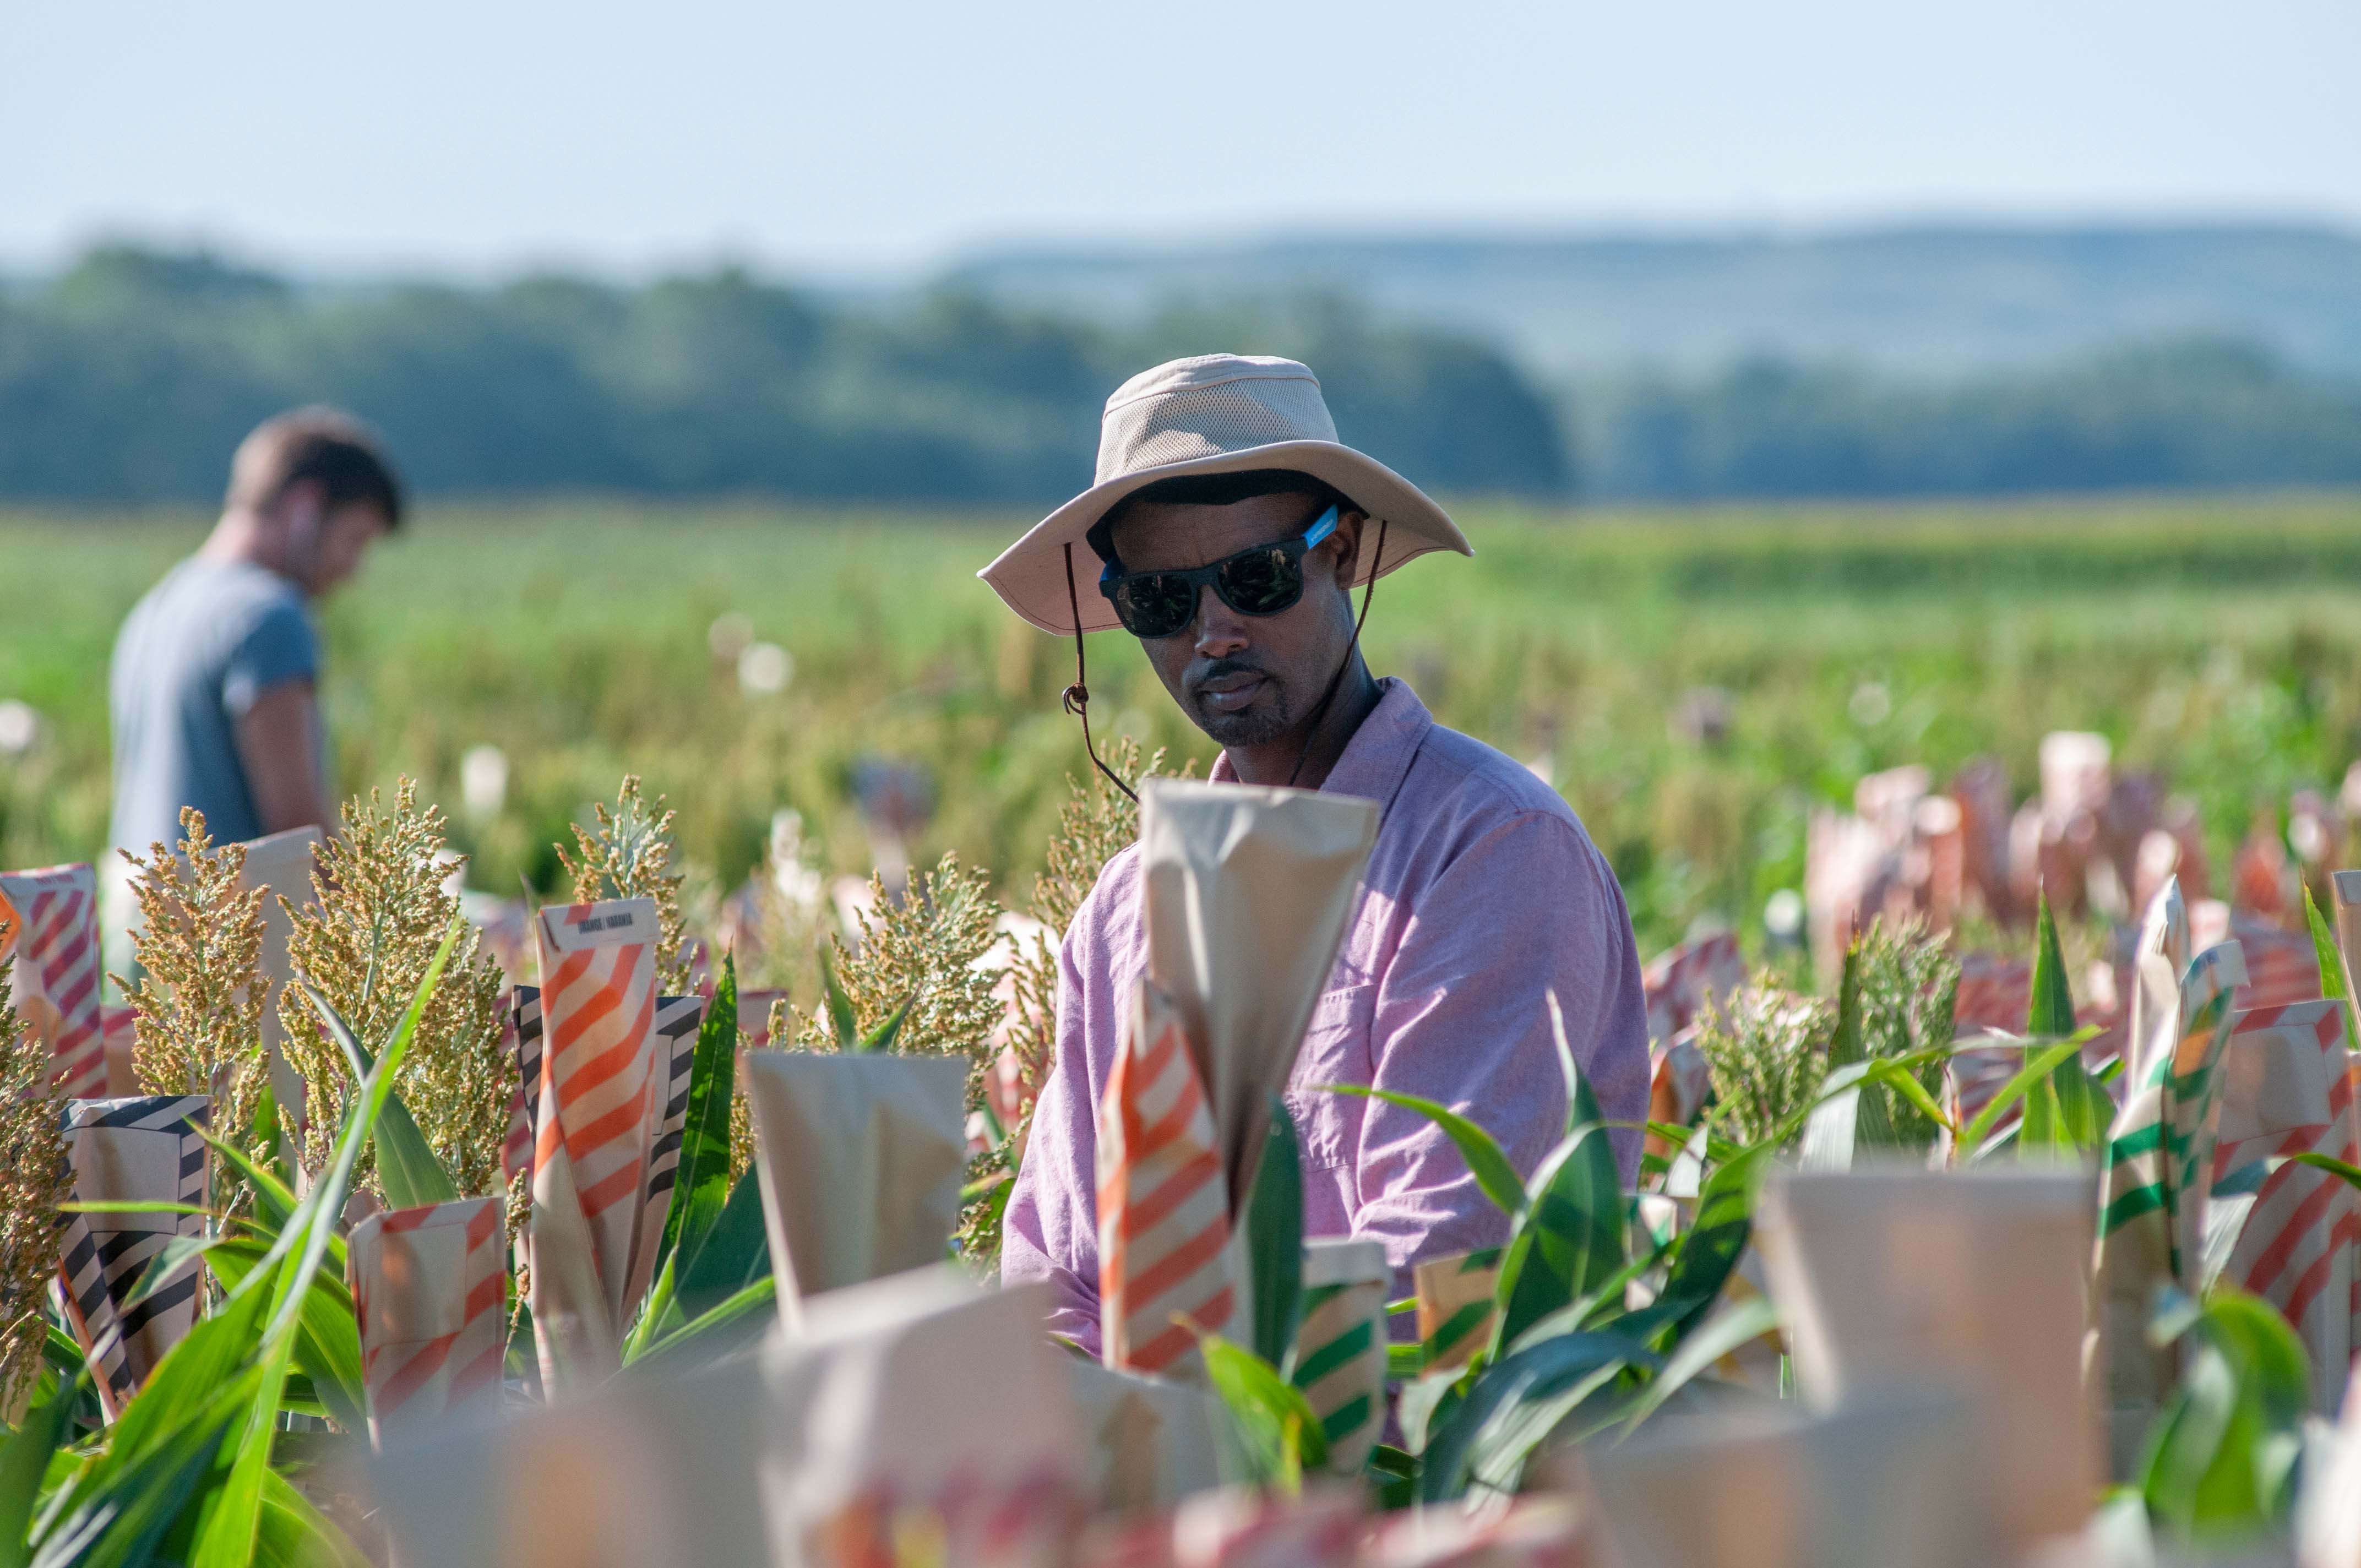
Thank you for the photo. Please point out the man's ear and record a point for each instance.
(1350, 527)
(301, 499)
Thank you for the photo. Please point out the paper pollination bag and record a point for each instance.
(1244, 896)
(1679, 1080)
(1758, 1512)
(1241, 1527)
(1683, 983)
(1165, 1266)
(49, 928)
(139, 1150)
(1340, 1345)
(2344, 891)
(1529, 1532)
(1982, 1062)
(1125, 1542)
(644, 1472)
(1889, 1277)
(1147, 1441)
(525, 1095)
(1455, 1306)
(2159, 957)
(2287, 1090)
(919, 1408)
(119, 1024)
(1680, 986)
(677, 1021)
(2328, 1513)
(428, 1286)
(1875, 1485)
(2157, 1174)
(861, 1159)
(602, 1105)
(281, 865)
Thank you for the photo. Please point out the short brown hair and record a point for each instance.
(322, 444)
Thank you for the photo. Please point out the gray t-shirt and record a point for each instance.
(195, 653)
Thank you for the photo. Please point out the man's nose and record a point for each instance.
(1220, 630)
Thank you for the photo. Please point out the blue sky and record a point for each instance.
(868, 140)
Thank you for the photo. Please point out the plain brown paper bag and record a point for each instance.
(1972, 1280)
(861, 1161)
(1149, 1441)
(1876, 1486)
(645, 1472)
(281, 865)
(1244, 893)
(925, 1392)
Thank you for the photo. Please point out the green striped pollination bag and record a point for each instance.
(1340, 1345)
(1455, 1306)
(2162, 1140)
(2159, 1155)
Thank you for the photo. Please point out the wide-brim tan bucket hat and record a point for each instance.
(1216, 413)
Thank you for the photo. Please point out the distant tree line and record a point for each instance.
(2172, 415)
(131, 375)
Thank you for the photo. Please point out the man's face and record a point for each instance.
(324, 545)
(1246, 680)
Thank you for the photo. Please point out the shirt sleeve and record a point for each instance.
(277, 647)
(1050, 1228)
(1462, 1017)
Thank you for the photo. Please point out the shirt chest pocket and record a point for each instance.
(1336, 1051)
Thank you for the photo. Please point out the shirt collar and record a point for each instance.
(1378, 756)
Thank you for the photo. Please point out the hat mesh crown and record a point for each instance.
(1210, 421)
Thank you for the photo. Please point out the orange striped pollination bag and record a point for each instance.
(1164, 1206)
(602, 1096)
(2289, 1091)
(428, 1286)
(677, 1020)
(1680, 986)
(49, 922)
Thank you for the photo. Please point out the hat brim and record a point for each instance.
(1030, 575)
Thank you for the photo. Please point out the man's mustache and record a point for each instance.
(1216, 669)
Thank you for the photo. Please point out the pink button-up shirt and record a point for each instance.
(1483, 893)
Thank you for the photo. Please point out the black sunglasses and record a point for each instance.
(1264, 580)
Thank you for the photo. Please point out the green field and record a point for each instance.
(2218, 640)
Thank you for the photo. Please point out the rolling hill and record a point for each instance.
(1917, 301)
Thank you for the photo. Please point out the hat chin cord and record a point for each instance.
(1369, 592)
(1076, 697)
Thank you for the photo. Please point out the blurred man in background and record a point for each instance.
(214, 687)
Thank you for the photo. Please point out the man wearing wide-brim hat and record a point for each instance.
(1227, 531)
